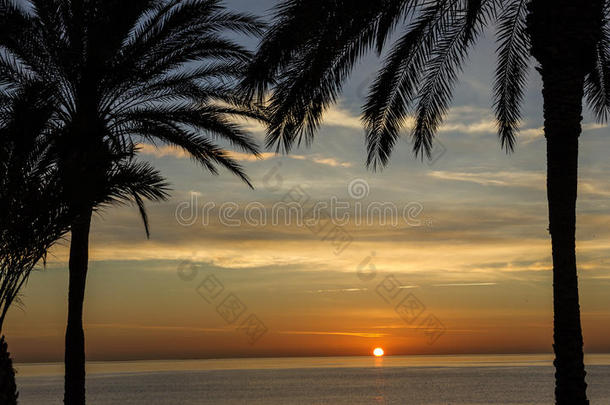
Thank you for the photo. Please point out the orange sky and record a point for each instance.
(490, 293)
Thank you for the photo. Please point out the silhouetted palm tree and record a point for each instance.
(310, 50)
(145, 70)
(33, 211)
(32, 215)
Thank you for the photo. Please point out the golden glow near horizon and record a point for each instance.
(378, 352)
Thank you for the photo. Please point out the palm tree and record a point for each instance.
(161, 71)
(33, 212)
(310, 50)
(32, 215)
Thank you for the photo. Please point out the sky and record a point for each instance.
(461, 264)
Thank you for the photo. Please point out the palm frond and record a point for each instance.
(210, 119)
(295, 22)
(441, 72)
(392, 12)
(20, 38)
(395, 88)
(511, 71)
(175, 33)
(313, 79)
(136, 181)
(196, 146)
(597, 82)
(33, 215)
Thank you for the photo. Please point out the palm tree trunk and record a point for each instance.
(8, 388)
(563, 92)
(564, 34)
(75, 337)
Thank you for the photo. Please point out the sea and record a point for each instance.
(425, 380)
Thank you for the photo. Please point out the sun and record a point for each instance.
(378, 352)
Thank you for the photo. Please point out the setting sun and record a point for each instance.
(378, 352)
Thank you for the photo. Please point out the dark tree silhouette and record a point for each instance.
(310, 50)
(160, 71)
(8, 387)
(32, 215)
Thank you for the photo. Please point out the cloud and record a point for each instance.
(169, 328)
(591, 126)
(501, 178)
(481, 126)
(356, 334)
(326, 161)
(336, 290)
(340, 117)
(161, 151)
(164, 151)
(468, 119)
(528, 135)
(335, 116)
(172, 151)
(590, 187)
(248, 157)
(463, 284)
(586, 187)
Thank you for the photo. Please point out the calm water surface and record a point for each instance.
(429, 380)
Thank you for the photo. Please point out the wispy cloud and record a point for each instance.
(463, 284)
(356, 334)
(502, 178)
(321, 160)
(248, 157)
(165, 151)
(591, 126)
(528, 135)
(161, 151)
(335, 116)
(337, 290)
(598, 190)
(340, 117)
(591, 187)
(157, 327)
(481, 126)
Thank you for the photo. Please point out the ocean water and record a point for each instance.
(429, 380)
